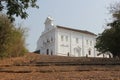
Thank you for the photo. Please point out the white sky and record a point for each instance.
(88, 15)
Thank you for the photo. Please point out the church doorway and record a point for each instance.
(47, 51)
(89, 52)
(68, 54)
(77, 51)
(51, 52)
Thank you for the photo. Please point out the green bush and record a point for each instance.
(12, 39)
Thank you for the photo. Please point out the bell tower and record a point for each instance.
(49, 23)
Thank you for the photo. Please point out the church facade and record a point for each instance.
(64, 41)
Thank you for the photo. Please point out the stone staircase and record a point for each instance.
(60, 68)
(69, 61)
(44, 63)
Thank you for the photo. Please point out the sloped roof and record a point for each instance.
(82, 31)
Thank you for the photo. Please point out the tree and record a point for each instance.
(109, 40)
(12, 39)
(17, 7)
(5, 32)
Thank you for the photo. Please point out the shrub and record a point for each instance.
(12, 39)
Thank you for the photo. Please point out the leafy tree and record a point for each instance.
(109, 40)
(17, 7)
(12, 39)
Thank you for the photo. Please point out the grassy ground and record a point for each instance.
(27, 68)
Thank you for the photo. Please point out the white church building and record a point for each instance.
(64, 41)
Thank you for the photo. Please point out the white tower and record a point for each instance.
(49, 23)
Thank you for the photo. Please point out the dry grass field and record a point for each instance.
(42, 67)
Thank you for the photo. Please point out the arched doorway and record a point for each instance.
(47, 51)
(89, 52)
(77, 51)
(51, 52)
(68, 54)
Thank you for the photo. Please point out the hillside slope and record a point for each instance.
(34, 59)
(42, 67)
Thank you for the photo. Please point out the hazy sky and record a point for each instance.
(88, 15)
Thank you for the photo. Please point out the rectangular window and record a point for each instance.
(66, 38)
(90, 43)
(48, 40)
(86, 42)
(51, 39)
(77, 40)
(62, 37)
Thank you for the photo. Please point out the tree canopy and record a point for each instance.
(17, 7)
(109, 39)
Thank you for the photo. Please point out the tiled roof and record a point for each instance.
(82, 31)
